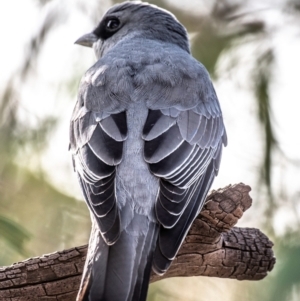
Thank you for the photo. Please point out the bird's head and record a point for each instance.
(135, 19)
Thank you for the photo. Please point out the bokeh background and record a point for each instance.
(252, 51)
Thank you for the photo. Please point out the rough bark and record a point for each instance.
(213, 247)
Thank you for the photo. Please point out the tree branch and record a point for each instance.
(213, 247)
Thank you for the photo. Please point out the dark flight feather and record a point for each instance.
(162, 146)
(105, 147)
(174, 161)
(171, 239)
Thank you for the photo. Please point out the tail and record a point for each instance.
(120, 272)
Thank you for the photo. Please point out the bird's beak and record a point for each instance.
(87, 40)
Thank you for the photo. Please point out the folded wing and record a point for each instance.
(97, 145)
(183, 148)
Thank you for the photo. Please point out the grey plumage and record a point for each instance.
(146, 137)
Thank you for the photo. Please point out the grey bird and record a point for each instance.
(146, 137)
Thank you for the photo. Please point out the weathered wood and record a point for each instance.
(213, 248)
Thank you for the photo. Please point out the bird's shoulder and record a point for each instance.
(146, 68)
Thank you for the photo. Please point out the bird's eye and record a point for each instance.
(112, 24)
(107, 27)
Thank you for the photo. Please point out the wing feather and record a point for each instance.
(170, 190)
(167, 165)
(189, 122)
(205, 139)
(170, 240)
(162, 146)
(105, 147)
(109, 225)
(92, 164)
(160, 127)
(114, 126)
(201, 130)
(102, 185)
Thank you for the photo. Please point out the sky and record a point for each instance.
(63, 62)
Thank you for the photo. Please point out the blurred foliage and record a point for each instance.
(293, 6)
(13, 234)
(262, 79)
(287, 277)
(55, 221)
(50, 216)
(23, 196)
(15, 135)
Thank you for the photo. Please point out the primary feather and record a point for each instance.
(146, 137)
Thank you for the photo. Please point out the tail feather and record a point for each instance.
(145, 265)
(97, 279)
(120, 272)
(93, 279)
